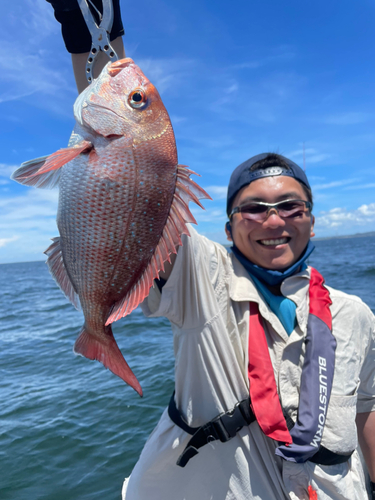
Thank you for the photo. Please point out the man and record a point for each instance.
(222, 305)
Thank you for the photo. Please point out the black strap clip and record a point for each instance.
(223, 427)
(229, 423)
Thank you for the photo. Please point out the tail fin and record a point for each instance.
(106, 350)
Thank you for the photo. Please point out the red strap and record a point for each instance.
(263, 392)
(319, 298)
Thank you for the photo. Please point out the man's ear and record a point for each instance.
(312, 234)
(228, 231)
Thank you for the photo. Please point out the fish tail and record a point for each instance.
(106, 350)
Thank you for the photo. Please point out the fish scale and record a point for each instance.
(123, 205)
(97, 223)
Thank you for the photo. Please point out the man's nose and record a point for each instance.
(273, 219)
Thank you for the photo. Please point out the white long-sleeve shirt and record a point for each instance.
(207, 300)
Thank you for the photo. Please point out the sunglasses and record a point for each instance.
(259, 210)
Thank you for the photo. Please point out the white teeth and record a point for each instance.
(279, 241)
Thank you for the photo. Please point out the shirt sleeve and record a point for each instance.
(187, 298)
(366, 390)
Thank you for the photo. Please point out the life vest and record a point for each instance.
(302, 440)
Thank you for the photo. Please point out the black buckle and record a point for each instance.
(223, 427)
(228, 424)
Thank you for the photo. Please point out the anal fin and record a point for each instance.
(106, 350)
(59, 273)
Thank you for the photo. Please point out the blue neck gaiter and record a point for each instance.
(269, 276)
(284, 308)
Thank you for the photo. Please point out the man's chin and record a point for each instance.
(280, 264)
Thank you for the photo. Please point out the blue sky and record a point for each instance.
(238, 79)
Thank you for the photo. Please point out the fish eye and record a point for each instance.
(137, 98)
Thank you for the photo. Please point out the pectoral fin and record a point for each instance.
(44, 172)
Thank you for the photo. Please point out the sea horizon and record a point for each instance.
(368, 234)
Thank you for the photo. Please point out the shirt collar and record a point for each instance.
(296, 288)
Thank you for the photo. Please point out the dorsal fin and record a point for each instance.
(179, 213)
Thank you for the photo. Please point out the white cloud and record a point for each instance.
(280, 54)
(166, 73)
(34, 17)
(6, 170)
(212, 215)
(232, 88)
(40, 19)
(27, 222)
(316, 178)
(217, 192)
(5, 241)
(177, 119)
(311, 156)
(34, 65)
(342, 218)
(30, 76)
(333, 184)
(317, 158)
(367, 210)
(360, 186)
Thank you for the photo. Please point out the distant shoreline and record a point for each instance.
(356, 235)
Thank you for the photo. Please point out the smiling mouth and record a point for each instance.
(274, 242)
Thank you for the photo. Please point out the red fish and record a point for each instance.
(123, 205)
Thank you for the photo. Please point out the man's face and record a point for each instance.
(276, 243)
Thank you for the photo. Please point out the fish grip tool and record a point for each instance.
(100, 40)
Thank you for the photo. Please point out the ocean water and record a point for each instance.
(69, 429)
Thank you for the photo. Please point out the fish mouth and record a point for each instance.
(274, 242)
(117, 66)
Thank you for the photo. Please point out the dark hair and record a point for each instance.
(275, 160)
